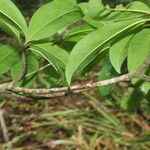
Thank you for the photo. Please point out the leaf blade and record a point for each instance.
(6, 9)
(139, 46)
(9, 29)
(118, 52)
(54, 54)
(60, 15)
(9, 56)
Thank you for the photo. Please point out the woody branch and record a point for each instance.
(61, 91)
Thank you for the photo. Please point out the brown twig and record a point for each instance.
(145, 78)
(34, 72)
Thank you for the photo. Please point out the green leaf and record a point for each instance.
(33, 65)
(145, 2)
(84, 7)
(92, 10)
(96, 61)
(139, 49)
(118, 52)
(57, 56)
(118, 16)
(92, 22)
(52, 17)
(139, 7)
(111, 16)
(90, 46)
(9, 29)
(95, 7)
(133, 10)
(106, 15)
(10, 13)
(106, 72)
(77, 33)
(145, 88)
(9, 56)
(135, 7)
(72, 2)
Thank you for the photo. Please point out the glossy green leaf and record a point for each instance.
(10, 13)
(90, 46)
(52, 17)
(106, 72)
(139, 49)
(33, 65)
(9, 29)
(57, 56)
(118, 52)
(9, 56)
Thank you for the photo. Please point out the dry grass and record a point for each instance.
(80, 122)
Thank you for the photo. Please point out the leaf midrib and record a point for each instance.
(131, 10)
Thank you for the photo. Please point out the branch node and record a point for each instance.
(69, 92)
